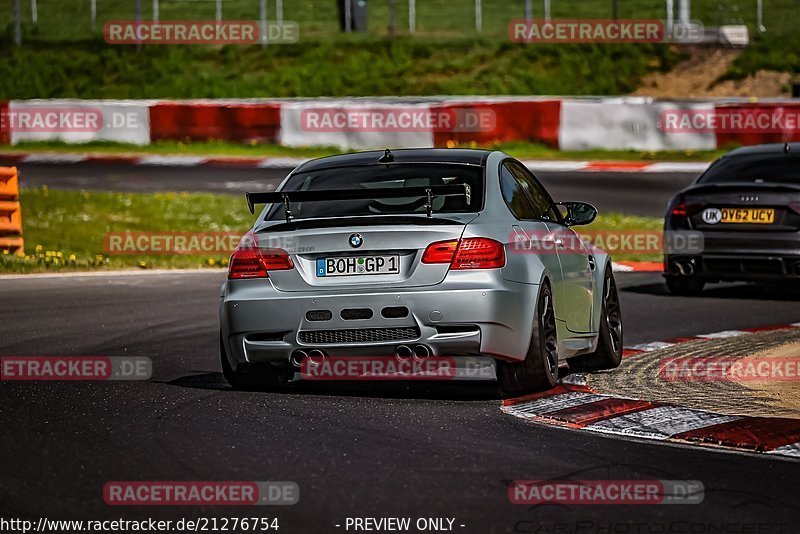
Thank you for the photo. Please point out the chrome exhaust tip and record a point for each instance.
(316, 357)
(422, 352)
(403, 352)
(297, 357)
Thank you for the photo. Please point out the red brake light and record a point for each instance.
(679, 209)
(479, 253)
(250, 262)
(440, 252)
(468, 253)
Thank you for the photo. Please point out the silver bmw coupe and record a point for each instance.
(417, 254)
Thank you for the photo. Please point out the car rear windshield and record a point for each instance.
(384, 176)
(755, 168)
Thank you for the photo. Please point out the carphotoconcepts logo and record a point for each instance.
(398, 119)
(731, 120)
(729, 369)
(20, 368)
(175, 493)
(393, 368)
(639, 242)
(188, 32)
(585, 492)
(587, 31)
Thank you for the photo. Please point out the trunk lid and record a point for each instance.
(733, 207)
(393, 238)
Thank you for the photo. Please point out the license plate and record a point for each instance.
(358, 265)
(748, 215)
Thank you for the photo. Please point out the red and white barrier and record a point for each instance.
(79, 121)
(350, 125)
(212, 120)
(569, 124)
(626, 124)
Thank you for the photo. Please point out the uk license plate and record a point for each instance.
(748, 215)
(358, 265)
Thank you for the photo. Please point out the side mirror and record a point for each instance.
(577, 213)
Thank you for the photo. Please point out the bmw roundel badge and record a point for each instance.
(356, 240)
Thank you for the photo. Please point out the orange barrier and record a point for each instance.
(10, 211)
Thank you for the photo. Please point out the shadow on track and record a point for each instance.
(781, 292)
(422, 390)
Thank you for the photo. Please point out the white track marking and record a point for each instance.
(53, 158)
(793, 449)
(555, 166)
(653, 345)
(661, 422)
(724, 334)
(553, 404)
(171, 161)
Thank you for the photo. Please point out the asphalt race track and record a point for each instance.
(412, 450)
(441, 450)
(629, 192)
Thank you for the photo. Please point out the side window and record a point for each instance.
(536, 193)
(515, 198)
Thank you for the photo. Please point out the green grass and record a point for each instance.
(64, 56)
(338, 68)
(220, 148)
(65, 230)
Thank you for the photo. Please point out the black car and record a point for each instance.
(746, 209)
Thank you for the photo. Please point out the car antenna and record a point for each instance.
(387, 157)
(786, 147)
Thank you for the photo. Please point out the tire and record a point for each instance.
(608, 354)
(685, 286)
(257, 379)
(539, 370)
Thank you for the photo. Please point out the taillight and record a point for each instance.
(440, 252)
(679, 209)
(468, 253)
(249, 262)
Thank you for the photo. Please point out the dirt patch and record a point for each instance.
(642, 376)
(785, 392)
(697, 76)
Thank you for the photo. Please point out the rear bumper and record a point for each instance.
(735, 267)
(732, 255)
(469, 313)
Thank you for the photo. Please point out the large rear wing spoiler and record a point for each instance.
(287, 197)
